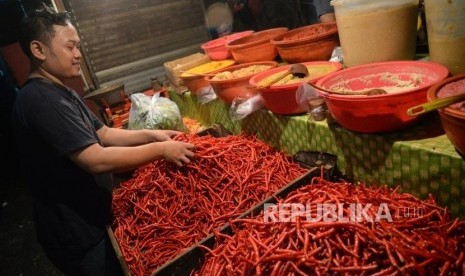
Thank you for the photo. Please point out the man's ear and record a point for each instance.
(37, 50)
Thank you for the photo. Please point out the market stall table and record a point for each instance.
(420, 159)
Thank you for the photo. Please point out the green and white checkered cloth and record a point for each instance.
(421, 159)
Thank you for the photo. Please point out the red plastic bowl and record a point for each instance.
(380, 113)
(228, 90)
(281, 99)
(216, 49)
(255, 47)
(308, 43)
(238, 35)
(452, 119)
(196, 83)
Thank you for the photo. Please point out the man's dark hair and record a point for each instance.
(39, 26)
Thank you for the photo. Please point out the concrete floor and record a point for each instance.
(20, 254)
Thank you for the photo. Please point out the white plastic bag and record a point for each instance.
(308, 97)
(206, 95)
(153, 112)
(241, 108)
(305, 93)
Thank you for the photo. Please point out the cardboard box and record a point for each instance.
(175, 68)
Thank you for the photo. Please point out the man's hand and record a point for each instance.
(163, 135)
(178, 152)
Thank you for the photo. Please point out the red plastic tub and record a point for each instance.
(255, 47)
(406, 82)
(308, 43)
(281, 98)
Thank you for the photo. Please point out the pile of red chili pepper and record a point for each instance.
(419, 239)
(163, 210)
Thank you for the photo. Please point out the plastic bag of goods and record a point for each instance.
(154, 112)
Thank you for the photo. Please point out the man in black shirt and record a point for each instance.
(67, 155)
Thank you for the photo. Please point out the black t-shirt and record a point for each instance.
(71, 206)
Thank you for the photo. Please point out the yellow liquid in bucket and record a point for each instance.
(377, 34)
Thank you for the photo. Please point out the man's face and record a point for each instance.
(63, 55)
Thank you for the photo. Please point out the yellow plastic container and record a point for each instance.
(376, 30)
(445, 22)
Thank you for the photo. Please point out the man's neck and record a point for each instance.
(41, 73)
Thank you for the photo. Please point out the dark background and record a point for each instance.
(19, 252)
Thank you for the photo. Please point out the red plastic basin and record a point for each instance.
(229, 89)
(380, 113)
(281, 99)
(255, 47)
(308, 43)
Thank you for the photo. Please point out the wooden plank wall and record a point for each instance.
(129, 40)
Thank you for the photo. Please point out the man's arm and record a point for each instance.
(124, 137)
(324, 10)
(96, 159)
(327, 17)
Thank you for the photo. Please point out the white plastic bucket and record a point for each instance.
(445, 22)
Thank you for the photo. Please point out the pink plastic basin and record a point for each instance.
(216, 49)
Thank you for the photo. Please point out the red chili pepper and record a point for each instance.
(164, 209)
(430, 243)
